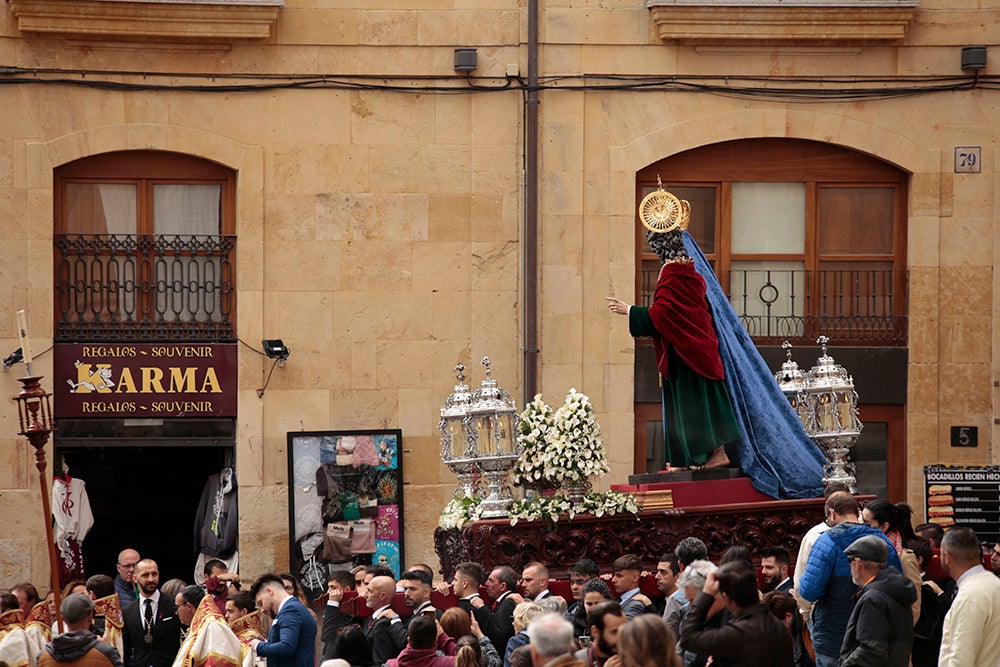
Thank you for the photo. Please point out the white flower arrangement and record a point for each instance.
(560, 448)
(576, 450)
(553, 508)
(537, 421)
(608, 503)
(460, 511)
(541, 507)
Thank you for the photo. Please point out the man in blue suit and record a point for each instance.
(291, 641)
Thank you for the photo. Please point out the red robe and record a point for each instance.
(682, 320)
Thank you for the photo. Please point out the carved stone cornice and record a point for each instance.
(139, 20)
(782, 21)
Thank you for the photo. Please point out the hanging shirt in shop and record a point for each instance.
(73, 520)
(216, 522)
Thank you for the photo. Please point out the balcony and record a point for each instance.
(859, 307)
(127, 288)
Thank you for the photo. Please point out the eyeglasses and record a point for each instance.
(359, 582)
(851, 559)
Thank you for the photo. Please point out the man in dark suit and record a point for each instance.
(385, 630)
(334, 618)
(416, 585)
(499, 626)
(292, 639)
(774, 565)
(535, 581)
(152, 630)
(468, 578)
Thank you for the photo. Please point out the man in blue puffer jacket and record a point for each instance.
(827, 579)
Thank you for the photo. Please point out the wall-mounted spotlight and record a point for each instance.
(973, 57)
(466, 60)
(14, 357)
(275, 348)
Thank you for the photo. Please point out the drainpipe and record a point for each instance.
(529, 370)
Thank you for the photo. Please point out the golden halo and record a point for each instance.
(662, 212)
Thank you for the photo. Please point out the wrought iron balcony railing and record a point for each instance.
(849, 306)
(122, 287)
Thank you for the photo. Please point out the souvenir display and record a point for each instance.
(345, 502)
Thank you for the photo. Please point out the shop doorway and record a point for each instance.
(146, 498)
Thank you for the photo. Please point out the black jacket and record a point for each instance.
(497, 624)
(751, 638)
(880, 629)
(166, 634)
(333, 622)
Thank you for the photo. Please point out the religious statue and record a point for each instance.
(698, 417)
(717, 389)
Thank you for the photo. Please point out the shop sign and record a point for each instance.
(964, 496)
(143, 380)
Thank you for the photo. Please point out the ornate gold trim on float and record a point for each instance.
(782, 21)
(137, 20)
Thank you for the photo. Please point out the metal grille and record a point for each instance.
(860, 306)
(145, 288)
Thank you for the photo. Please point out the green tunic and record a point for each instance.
(698, 416)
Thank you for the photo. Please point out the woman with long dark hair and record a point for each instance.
(895, 523)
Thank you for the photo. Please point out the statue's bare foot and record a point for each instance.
(718, 459)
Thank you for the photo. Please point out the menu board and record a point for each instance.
(964, 496)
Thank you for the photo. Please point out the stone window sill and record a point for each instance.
(782, 21)
(139, 20)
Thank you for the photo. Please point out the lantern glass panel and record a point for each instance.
(825, 410)
(456, 436)
(844, 412)
(505, 433)
(485, 431)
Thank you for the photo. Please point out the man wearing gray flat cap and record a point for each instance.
(880, 629)
(78, 646)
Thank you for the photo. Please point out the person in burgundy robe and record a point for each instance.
(698, 417)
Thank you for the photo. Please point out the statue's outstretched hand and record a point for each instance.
(617, 306)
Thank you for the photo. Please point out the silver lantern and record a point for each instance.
(830, 416)
(792, 381)
(457, 450)
(492, 432)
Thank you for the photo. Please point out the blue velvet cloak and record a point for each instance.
(775, 452)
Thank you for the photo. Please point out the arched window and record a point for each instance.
(144, 248)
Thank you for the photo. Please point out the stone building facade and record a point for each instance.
(378, 201)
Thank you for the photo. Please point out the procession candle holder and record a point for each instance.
(34, 417)
(831, 416)
(792, 382)
(492, 431)
(456, 450)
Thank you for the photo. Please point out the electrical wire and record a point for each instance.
(805, 89)
(248, 345)
(260, 392)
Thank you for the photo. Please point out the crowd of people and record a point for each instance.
(859, 594)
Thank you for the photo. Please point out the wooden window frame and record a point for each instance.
(147, 169)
